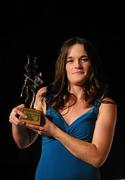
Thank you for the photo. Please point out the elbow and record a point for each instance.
(99, 158)
(21, 146)
(98, 162)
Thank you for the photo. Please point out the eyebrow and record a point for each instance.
(80, 56)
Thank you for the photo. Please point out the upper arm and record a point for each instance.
(104, 128)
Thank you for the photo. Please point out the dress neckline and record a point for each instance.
(76, 119)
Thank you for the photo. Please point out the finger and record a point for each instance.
(43, 132)
(20, 106)
(16, 114)
(15, 120)
(35, 127)
(39, 132)
(32, 126)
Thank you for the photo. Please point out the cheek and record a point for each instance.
(68, 69)
(87, 67)
(89, 70)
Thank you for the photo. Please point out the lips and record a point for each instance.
(78, 72)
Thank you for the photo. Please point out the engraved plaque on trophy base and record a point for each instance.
(33, 116)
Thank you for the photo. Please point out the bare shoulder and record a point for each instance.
(108, 100)
(108, 105)
(108, 111)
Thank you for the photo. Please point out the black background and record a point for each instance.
(39, 29)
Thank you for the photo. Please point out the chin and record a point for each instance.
(78, 83)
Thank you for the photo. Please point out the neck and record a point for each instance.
(77, 91)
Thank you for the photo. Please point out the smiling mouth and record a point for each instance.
(78, 72)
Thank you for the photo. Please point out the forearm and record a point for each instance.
(83, 150)
(22, 136)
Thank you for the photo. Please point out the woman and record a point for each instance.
(79, 117)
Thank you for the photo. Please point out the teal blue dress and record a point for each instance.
(56, 162)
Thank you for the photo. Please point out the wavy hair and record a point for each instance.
(94, 87)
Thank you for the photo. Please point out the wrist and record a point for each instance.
(58, 133)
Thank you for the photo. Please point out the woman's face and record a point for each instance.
(77, 65)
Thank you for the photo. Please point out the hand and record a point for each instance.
(40, 101)
(15, 114)
(49, 128)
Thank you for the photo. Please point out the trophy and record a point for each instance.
(32, 82)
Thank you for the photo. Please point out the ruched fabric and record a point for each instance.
(56, 162)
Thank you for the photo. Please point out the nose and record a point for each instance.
(77, 64)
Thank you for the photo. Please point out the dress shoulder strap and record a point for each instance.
(97, 104)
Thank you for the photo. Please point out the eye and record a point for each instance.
(69, 60)
(84, 59)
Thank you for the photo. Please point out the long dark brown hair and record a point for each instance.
(95, 86)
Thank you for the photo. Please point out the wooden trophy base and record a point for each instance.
(33, 116)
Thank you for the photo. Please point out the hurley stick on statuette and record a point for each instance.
(32, 82)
